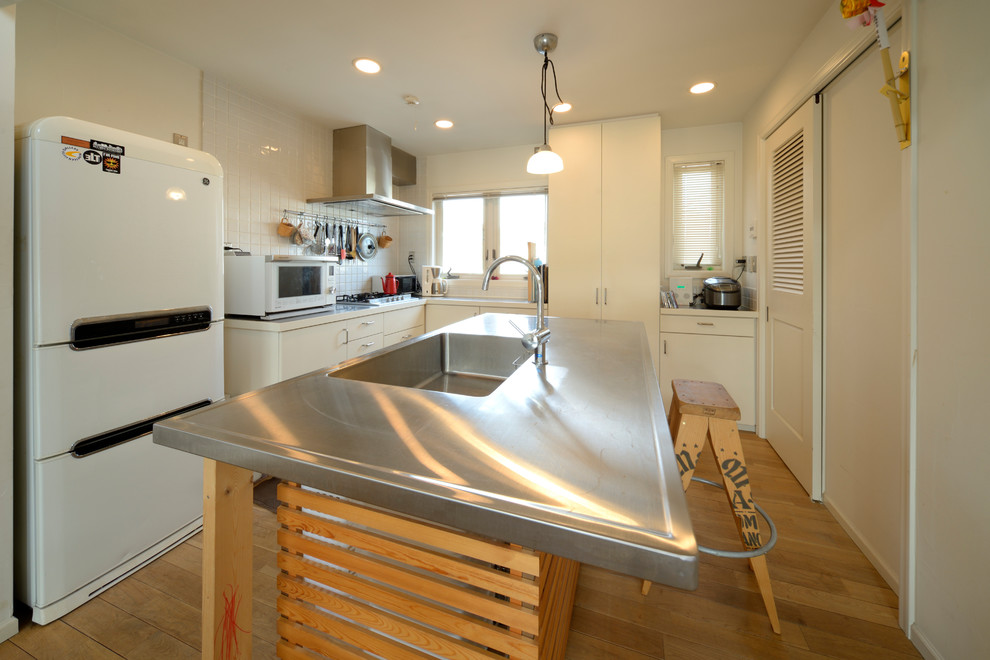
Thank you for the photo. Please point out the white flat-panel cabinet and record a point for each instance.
(604, 223)
(714, 348)
(438, 316)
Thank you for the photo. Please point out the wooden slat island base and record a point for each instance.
(356, 579)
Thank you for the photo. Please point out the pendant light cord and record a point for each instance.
(547, 110)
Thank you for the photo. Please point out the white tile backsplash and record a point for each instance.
(274, 159)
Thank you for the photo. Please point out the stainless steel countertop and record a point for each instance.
(574, 458)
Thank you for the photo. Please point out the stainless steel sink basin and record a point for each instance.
(472, 365)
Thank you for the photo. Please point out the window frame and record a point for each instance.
(730, 214)
(491, 229)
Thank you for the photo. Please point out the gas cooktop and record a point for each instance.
(374, 299)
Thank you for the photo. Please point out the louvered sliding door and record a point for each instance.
(793, 355)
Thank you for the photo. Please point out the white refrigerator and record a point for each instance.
(119, 323)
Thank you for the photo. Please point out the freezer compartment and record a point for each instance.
(145, 236)
(79, 394)
(103, 516)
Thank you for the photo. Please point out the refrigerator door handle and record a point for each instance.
(107, 439)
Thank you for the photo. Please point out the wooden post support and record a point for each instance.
(227, 542)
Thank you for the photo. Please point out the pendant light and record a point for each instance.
(544, 160)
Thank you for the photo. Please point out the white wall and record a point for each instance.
(951, 106)
(8, 624)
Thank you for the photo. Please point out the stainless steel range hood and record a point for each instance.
(365, 166)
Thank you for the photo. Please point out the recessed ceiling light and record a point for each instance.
(562, 107)
(443, 123)
(365, 65)
(702, 87)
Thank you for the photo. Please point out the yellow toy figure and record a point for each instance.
(861, 10)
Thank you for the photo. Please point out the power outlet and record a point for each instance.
(412, 255)
(181, 140)
(751, 264)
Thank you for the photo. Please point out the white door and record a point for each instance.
(631, 171)
(793, 318)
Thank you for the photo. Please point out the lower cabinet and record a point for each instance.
(403, 324)
(258, 358)
(439, 315)
(364, 335)
(714, 348)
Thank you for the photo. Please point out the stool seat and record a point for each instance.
(698, 397)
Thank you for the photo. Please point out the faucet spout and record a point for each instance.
(536, 340)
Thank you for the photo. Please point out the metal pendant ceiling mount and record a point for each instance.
(545, 43)
(544, 160)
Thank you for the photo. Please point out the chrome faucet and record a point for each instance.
(537, 339)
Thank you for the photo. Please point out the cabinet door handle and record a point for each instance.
(605, 299)
(596, 296)
(371, 322)
(369, 344)
(705, 323)
(664, 346)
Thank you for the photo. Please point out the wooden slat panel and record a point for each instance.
(288, 651)
(330, 647)
(478, 630)
(366, 616)
(449, 594)
(525, 589)
(460, 543)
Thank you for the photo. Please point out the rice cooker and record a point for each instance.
(722, 293)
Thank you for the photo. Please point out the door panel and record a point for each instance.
(574, 231)
(793, 317)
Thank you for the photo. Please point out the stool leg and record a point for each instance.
(728, 453)
(689, 440)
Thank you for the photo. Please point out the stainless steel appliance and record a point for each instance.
(433, 285)
(722, 293)
(278, 286)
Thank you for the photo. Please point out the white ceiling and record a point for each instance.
(473, 61)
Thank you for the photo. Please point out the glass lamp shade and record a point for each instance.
(544, 161)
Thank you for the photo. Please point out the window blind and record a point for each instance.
(699, 212)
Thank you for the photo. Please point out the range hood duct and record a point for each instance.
(365, 166)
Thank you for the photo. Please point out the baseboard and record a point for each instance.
(892, 578)
(924, 647)
(8, 629)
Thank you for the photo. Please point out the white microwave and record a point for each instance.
(276, 286)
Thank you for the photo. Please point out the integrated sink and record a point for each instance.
(472, 365)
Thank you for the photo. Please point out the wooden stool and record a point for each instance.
(700, 411)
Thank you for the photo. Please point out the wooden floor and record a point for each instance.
(832, 603)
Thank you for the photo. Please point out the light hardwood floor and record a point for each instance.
(832, 603)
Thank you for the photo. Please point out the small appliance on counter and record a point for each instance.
(682, 289)
(278, 286)
(433, 285)
(722, 293)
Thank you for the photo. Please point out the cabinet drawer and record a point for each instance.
(364, 326)
(401, 319)
(709, 325)
(364, 345)
(403, 335)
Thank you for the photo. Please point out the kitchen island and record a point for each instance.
(570, 461)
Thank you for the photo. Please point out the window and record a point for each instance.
(700, 191)
(475, 229)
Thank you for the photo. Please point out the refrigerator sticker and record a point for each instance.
(72, 153)
(111, 164)
(106, 147)
(75, 142)
(92, 157)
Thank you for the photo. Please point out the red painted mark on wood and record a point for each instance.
(230, 647)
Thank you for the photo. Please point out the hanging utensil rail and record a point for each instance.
(316, 217)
